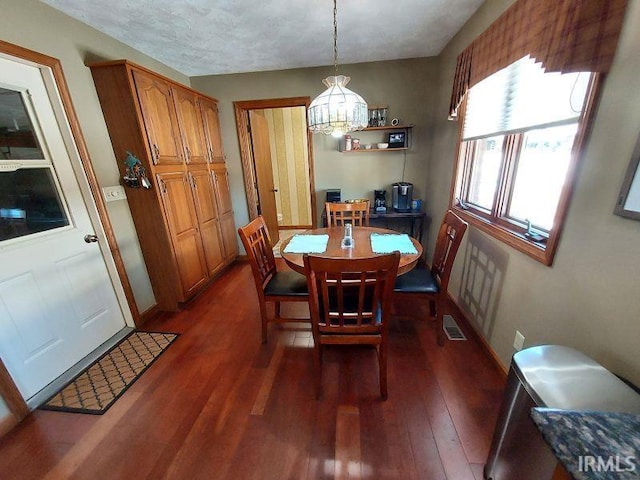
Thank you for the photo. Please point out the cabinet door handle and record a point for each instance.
(188, 153)
(155, 154)
(210, 155)
(163, 186)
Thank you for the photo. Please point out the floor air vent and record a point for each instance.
(452, 329)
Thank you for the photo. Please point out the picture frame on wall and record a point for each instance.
(628, 204)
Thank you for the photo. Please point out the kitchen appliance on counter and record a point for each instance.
(551, 376)
(402, 195)
(380, 201)
(333, 195)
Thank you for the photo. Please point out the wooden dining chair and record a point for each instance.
(432, 283)
(349, 302)
(356, 213)
(271, 285)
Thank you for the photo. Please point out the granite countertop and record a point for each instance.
(592, 445)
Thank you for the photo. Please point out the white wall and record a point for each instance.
(589, 298)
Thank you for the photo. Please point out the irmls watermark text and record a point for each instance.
(613, 463)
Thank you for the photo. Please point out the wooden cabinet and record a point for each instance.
(159, 119)
(208, 219)
(211, 121)
(185, 221)
(177, 202)
(191, 126)
(225, 209)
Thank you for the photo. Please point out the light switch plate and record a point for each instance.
(518, 341)
(116, 192)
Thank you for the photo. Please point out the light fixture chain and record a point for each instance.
(335, 35)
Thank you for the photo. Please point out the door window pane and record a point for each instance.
(17, 138)
(541, 173)
(485, 172)
(29, 203)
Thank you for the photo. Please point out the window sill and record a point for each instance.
(542, 252)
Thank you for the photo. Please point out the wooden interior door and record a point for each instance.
(160, 120)
(177, 201)
(264, 172)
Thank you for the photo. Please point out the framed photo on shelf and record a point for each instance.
(397, 140)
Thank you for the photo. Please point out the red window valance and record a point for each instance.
(564, 35)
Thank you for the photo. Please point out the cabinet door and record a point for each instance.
(230, 237)
(209, 110)
(179, 209)
(225, 210)
(208, 221)
(223, 193)
(191, 126)
(160, 120)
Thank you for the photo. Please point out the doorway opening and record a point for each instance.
(276, 151)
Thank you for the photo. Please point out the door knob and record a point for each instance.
(274, 190)
(90, 238)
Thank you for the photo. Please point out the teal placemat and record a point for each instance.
(389, 242)
(307, 244)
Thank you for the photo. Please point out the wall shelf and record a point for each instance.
(388, 127)
(365, 150)
(374, 140)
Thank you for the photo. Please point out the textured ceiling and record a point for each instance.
(201, 37)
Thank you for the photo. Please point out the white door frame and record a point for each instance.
(55, 82)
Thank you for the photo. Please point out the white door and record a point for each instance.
(57, 302)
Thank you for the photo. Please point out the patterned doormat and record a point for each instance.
(98, 386)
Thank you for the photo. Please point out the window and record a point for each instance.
(30, 201)
(520, 142)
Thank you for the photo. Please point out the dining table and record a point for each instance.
(385, 242)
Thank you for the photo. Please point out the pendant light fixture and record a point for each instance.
(337, 110)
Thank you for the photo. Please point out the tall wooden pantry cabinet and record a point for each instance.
(185, 220)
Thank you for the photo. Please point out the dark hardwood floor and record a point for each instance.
(220, 405)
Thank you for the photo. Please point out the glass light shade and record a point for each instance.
(337, 109)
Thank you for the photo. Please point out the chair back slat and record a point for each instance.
(356, 213)
(449, 238)
(350, 296)
(257, 242)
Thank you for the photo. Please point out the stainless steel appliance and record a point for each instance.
(402, 195)
(551, 376)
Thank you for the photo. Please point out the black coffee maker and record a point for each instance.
(380, 201)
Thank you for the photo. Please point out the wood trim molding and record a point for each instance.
(9, 391)
(244, 143)
(12, 397)
(148, 314)
(461, 314)
(241, 109)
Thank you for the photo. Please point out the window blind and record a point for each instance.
(522, 96)
(565, 35)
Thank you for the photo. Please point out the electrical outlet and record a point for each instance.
(518, 342)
